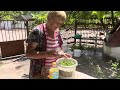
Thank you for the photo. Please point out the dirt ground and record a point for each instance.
(14, 70)
(11, 69)
(99, 66)
(92, 65)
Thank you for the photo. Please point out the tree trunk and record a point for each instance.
(101, 20)
(75, 30)
(112, 15)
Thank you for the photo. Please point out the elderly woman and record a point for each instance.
(44, 45)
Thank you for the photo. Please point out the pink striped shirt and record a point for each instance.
(52, 44)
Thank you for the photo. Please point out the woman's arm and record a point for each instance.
(32, 53)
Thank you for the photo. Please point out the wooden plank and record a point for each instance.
(12, 48)
(91, 39)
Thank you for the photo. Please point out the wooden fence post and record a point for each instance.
(27, 27)
(75, 31)
(96, 43)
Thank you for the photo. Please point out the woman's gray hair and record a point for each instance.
(57, 14)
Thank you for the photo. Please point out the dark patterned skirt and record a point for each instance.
(37, 69)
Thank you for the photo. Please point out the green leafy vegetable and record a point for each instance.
(67, 63)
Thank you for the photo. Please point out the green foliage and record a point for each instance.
(117, 13)
(100, 14)
(77, 47)
(72, 16)
(99, 72)
(114, 65)
(39, 17)
(10, 15)
(115, 70)
(77, 15)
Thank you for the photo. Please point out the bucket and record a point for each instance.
(66, 72)
(69, 52)
(77, 52)
(65, 47)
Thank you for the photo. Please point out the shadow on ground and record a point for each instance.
(25, 76)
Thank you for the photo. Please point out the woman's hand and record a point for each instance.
(52, 53)
(57, 54)
(62, 54)
(66, 55)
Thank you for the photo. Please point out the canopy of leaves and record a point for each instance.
(79, 16)
(10, 15)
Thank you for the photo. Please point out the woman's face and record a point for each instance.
(55, 24)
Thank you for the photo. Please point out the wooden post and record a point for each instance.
(75, 30)
(112, 15)
(80, 42)
(0, 52)
(96, 43)
(27, 28)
